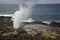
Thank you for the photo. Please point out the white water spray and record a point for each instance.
(23, 13)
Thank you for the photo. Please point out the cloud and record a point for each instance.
(8, 1)
(47, 1)
(35, 1)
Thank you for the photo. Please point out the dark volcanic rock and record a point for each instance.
(35, 22)
(7, 32)
(56, 24)
(5, 21)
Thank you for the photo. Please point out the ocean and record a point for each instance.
(40, 12)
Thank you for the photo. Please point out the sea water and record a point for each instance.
(40, 12)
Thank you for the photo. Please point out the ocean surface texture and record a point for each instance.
(40, 12)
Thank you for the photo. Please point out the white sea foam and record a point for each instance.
(47, 22)
(6, 15)
(29, 20)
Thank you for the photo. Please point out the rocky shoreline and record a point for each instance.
(35, 30)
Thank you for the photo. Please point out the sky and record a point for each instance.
(35, 1)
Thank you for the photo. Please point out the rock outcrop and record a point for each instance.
(55, 24)
(31, 31)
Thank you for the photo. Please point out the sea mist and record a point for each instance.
(25, 7)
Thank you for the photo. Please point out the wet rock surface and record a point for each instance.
(55, 24)
(28, 31)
